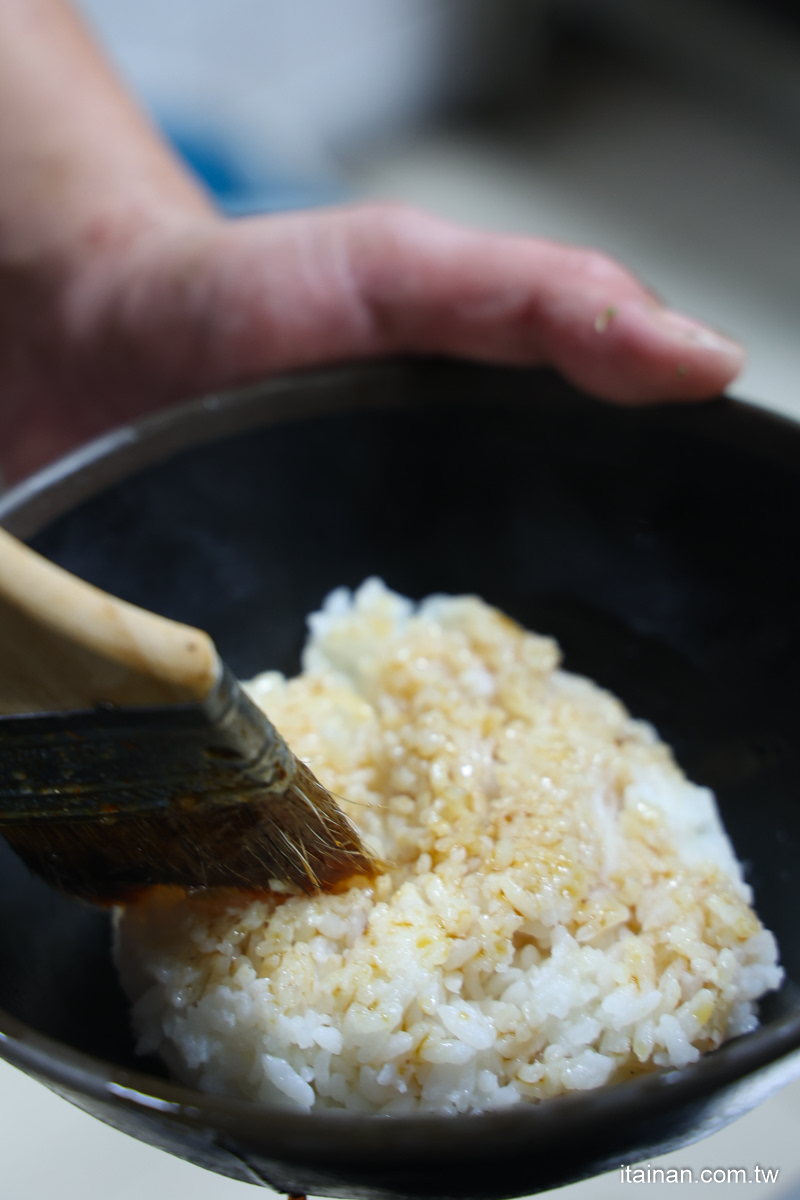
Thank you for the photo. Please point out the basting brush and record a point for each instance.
(130, 756)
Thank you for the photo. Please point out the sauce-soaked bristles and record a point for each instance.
(327, 845)
(300, 837)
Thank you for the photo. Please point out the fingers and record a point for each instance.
(202, 303)
(527, 301)
(275, 293)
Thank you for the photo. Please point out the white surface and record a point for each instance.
(52, 1151)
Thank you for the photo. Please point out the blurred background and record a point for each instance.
(666, 132)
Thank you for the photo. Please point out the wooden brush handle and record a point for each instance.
(66, 645)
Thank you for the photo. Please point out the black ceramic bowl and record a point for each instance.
(661, 547)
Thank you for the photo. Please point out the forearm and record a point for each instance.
(79, 163)
(84, 179)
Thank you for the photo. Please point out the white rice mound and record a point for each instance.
(561, 908)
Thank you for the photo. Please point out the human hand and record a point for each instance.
(131, 291)
(207, 303)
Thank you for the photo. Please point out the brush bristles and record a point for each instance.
(311, 842)
(300, 836)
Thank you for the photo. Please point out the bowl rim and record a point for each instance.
(768, 1058)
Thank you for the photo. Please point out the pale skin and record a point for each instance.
(122, 289)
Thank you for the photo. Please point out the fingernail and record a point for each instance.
(692, 333)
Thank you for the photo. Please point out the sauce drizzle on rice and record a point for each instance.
(561, 908)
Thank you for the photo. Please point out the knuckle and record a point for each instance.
(390, 216)
(600, 268)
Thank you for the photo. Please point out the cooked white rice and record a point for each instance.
(562, 908)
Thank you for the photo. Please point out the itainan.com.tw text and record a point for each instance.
(648, 1174)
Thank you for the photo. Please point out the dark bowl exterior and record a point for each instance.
(662, 548)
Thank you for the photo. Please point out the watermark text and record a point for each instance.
(648, 1174)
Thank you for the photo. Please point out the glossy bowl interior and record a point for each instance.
(661, 547)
